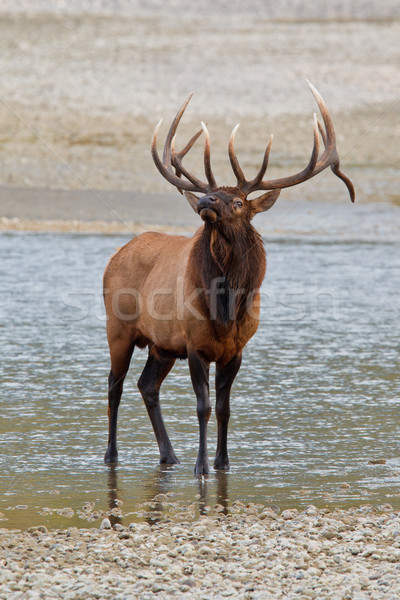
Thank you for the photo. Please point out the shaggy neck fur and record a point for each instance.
(231, 262)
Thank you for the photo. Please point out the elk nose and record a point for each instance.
(207, 202)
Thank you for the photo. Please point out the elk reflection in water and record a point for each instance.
(159, 492)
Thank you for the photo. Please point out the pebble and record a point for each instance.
(105, 524)
(249, 552)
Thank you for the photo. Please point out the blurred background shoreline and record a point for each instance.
(84, 83)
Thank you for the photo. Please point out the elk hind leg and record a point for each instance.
(121, 353)
(199, 373)
(224, 377)
(155, 371)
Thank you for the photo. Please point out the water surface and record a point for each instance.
(315, 401)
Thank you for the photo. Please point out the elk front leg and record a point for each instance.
(224, 377)
(155, 371)
(199, 372)
(121, 354)
(115, 386)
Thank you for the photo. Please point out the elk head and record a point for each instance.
(228, 206)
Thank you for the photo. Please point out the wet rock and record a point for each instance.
(268, 513)
(105, 524)
(385, 507)
(310, 510)
(41, 529)
(287, 515)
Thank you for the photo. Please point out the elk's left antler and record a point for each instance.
(329, 157)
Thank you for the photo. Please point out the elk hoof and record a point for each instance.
(201, 467)
(221, 464)
(171, 459)
(111, 457)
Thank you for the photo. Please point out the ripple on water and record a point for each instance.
(315, 400)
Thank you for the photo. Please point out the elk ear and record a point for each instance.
(264, 202)
(193, 200)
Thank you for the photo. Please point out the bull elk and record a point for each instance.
(197, 298)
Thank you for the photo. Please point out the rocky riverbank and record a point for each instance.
(251, 552)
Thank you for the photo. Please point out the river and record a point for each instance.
(314, 407)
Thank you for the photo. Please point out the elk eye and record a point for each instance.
(238, 204)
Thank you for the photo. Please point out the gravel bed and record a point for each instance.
(251, 552)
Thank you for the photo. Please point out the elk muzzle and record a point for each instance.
(208, 209)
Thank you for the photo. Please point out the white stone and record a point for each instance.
(105, 524)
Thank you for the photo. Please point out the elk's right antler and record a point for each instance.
(173, 160)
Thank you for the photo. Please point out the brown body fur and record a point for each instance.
(170, 276)
(197, 298)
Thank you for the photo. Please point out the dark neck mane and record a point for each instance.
(231, 265)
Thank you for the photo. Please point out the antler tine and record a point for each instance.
(329, 139)
(258, 178)
(329, 157)
(335, 169)
(207, 160)
(329, 135)
(166, 172)
(305, 174)
(322, 132)
(177, 156)
(178, 173)
(241, 180)
(190, 143)
(165, 165)
(315, 151)
(180, 169)
(172, 132)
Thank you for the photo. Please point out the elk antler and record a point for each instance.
(173, 160)
(329, 158)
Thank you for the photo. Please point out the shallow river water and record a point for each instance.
(314, 405)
